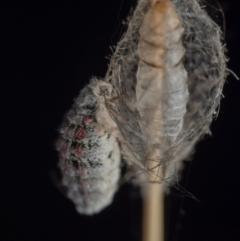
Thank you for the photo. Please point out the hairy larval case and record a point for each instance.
(89, 156)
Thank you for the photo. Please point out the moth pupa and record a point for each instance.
(161, 90)
(169, 70)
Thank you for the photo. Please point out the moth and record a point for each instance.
(158, 98)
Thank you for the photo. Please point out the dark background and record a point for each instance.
(50, 51)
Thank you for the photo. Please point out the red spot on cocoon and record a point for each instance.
(87, 120)
(78, 151)
(80, 133)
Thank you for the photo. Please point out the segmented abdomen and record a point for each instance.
(89, 158)
(162, 91)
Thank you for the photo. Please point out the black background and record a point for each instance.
(50, 51)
